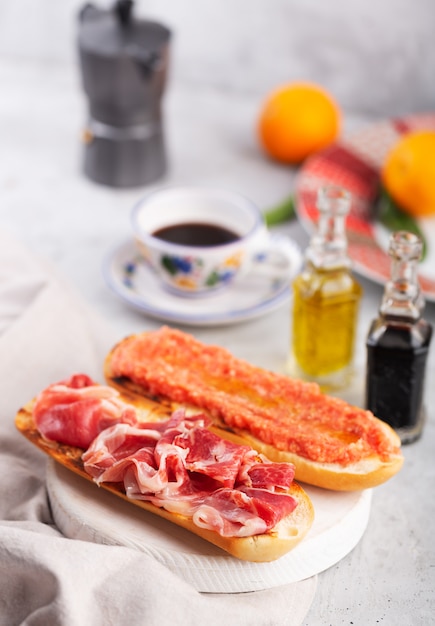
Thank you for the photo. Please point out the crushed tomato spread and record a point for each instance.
(288, 414)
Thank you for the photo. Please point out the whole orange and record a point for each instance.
(408, 173)
(297, 120)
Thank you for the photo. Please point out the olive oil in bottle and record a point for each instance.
(326, 299)
(398, 343)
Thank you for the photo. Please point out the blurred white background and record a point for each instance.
(377, 57)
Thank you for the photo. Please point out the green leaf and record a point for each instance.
(281, 212)
(394, 218)
(169, 265)
(212, 279)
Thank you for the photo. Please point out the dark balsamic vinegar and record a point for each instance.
(398, 343)
(396, 363)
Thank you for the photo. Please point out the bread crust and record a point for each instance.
(369, 472)
(259, 548)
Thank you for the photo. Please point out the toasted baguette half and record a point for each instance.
(258, 548)
(371, 470)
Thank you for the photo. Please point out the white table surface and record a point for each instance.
(389, 578)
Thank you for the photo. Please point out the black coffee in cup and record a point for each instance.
(196, 234)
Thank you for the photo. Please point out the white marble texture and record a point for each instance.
(378, 58)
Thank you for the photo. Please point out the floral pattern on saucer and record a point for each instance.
(186, 271)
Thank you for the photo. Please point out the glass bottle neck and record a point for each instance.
(328, 246)
(402, 295)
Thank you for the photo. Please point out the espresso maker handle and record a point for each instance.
(121, 8)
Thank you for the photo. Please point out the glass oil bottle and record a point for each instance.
(326, 299)
(398, 343)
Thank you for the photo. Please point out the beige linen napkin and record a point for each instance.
(46, 333)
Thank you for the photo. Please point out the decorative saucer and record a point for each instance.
(265, 287)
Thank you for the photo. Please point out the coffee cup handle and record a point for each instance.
(275, 253)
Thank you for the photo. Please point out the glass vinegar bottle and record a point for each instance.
(326, 299)
(398, 343)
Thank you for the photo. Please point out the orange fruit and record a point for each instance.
(408, 173)
(297, 120)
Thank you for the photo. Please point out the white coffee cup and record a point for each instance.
(198, 239)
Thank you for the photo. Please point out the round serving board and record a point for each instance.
(84, 511)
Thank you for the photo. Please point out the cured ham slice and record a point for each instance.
(271, 475)
(76, 410)
(176, 464)
(172, 465)
(186, 469)
(242, 512)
